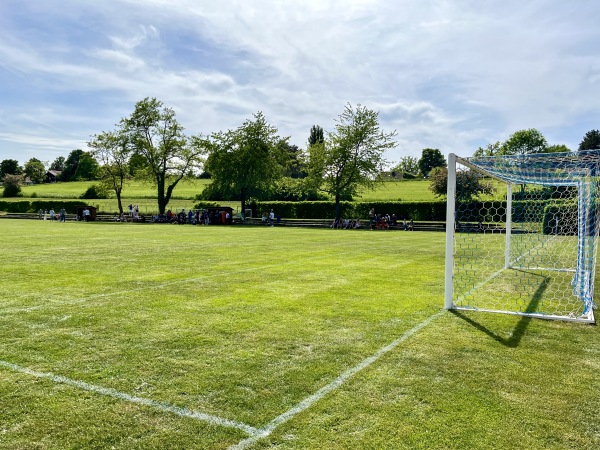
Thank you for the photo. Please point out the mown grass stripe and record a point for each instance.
(175, 282)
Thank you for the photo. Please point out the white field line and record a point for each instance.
(160, 286)
(183, 412)
(310, 400)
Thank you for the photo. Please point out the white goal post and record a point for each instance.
(530, 248)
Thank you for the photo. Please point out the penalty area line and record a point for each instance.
(335, 384)
(165, 407)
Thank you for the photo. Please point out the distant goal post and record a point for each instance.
(531, 250)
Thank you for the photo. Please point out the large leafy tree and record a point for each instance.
(88, 167)
(407, 164)
(243, 162)
(79, 165)
(58, 164)
(524, 142)
(352, 156)
(469, 184)
(35, 170)
(70, 167)
(291, 159)
(489, 150)
(154, 133)
(137, 165)
(111, 149)
(591, 140)
(430, 158)
(558, 148)
(10, 167)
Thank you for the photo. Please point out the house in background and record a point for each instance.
(28, 181)
(52, 175)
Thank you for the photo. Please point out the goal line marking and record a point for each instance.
(335, 384)
(177, 410)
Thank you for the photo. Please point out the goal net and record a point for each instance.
(531, 250)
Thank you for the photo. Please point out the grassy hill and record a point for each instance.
(143, 194)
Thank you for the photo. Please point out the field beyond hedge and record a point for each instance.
(144, 194)
(132, 336)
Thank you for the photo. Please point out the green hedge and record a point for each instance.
(326, 209)
(485, 211)
(35, 206)
(560, 219)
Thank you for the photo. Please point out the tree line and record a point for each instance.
(251, 162)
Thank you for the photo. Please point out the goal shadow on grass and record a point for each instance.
(519, 331)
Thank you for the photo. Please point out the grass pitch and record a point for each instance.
(163, 336)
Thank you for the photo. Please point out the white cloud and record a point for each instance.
(446, 74)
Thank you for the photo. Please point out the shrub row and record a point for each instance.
(326, 209)
(488, 211)
(35, 206)
(562, 220)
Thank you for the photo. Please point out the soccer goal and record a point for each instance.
(532, 250)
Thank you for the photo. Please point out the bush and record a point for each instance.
(12, 185)
(94, 191)
(206, 204)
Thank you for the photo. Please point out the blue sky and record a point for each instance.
(453, 75)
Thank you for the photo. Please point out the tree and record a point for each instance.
(88, 167)
(35, 170)
(591, 141)
(351, 156)
(58, 164)
(488, 150)
(10, 167)
(524, 142)
(468, 183)
(316, 135)
(153, 131)
(291, 159)
(558, 148)
(69, 172)
(243, 162)
(79, 165)
(407, 164)
(430, 158)
(12, 185)
(112, 151)
(137, 165)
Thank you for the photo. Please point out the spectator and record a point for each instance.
(52, 215)
(63, 215)
(271, 218)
